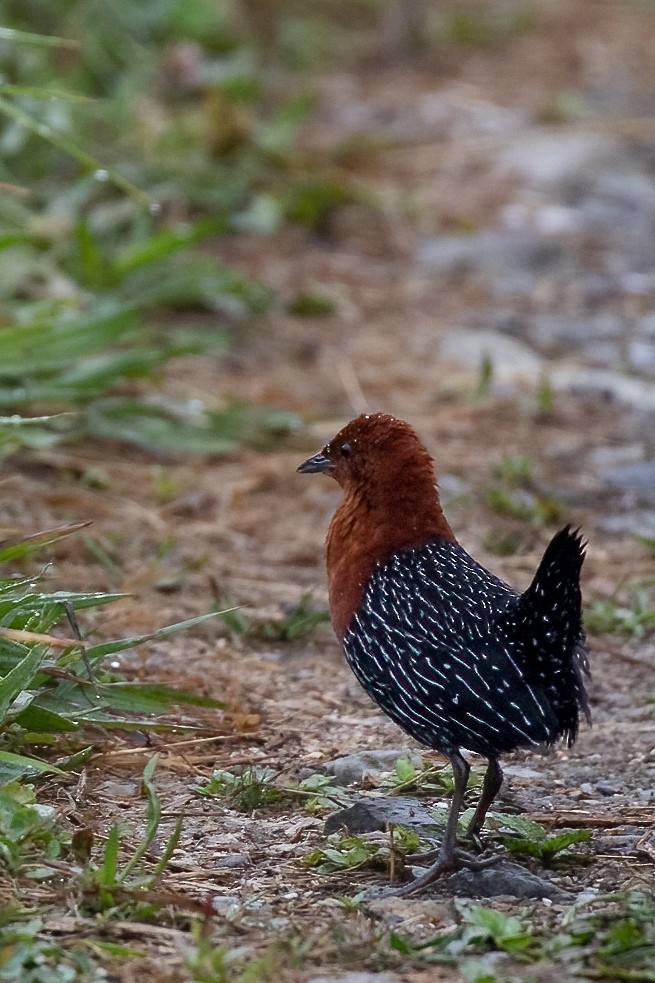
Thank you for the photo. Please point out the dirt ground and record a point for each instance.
(176, 529)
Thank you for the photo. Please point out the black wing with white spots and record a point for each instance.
(437, 643)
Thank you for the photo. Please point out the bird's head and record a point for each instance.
(374, 450)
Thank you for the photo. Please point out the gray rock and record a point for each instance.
(555, 330)
(505, 878)
(603, 458)
(232, 861)
(638, 478)
(637, 522)
(372, 813)
(543, 158)
(449, 114)
(225, 904)
(512, 360)
(356, 978)
(641, 354)
(607, 788)
(604, 383)
(355, 767)
(499, 256)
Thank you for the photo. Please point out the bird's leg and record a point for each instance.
(446, 858)
(493, 781)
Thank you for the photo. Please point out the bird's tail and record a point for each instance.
(550, 616)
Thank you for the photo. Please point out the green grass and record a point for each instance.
(298, 622)
(54, 687)
(630, 613)
(610, 938)
(122, 163)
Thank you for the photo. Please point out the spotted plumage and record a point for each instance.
(452, 654)
(448, 651)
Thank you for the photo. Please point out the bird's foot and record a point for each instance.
(429, 856)
(467, 862)
(447, 863)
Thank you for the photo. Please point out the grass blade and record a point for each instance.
(152, 824)
(13, 766)
(18, 678)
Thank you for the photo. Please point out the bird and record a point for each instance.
(456, 657)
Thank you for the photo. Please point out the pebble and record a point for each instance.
(604, 384)
(356, 767)
(505, 878)
(507, 260)
(372, 813)
(233, 860)
(356, 978)
(607, 788)
(512, 360)
(544, 157)
(636, 522)
(637, 478)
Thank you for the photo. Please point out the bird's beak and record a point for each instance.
(318, 463)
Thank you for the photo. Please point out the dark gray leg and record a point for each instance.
(447, 858)
(493, 781)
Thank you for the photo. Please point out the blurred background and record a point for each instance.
(225, 228)
(375, 190)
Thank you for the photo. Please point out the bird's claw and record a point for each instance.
(458, 860)
(466, 861)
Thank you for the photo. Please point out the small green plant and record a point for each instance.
(29, 833)
(524, 505)
(109, 879)
(317, 793)
(251, 788)
(610, 938)
(502, 543)
(345, 853)
(633, 616)
(433, 779)
(349, 852)
(515, 496)
(648, 542)
(312, 305)
(28, 955)
(255, 788)
(524, 837)
(514, 470)
(485, 378)
(299, 621)
(52, 687)
(545, 397)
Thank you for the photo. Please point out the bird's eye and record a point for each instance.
(346, 450)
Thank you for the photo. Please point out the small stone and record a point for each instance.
(511, 360)
(637, 393)
(118, 790)
(638, 522)
(638, 478)
(355, 767)
(370, 814)
(233, 860)
(504, 879)
(356, 978)
(521, 771)
(607, 788)
(393, 910)
(641, 354)
(225, 904)
(547, 157)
